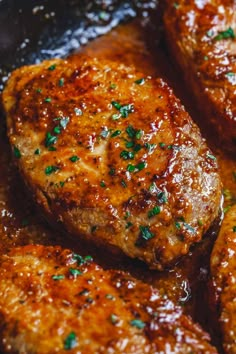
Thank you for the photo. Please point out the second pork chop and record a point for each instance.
(113, 156)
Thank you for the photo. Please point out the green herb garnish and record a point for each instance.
(145, 233)
(140, 81)
(138, 324)
(74, 158)
(58, 277)
(50, 139)
(155, 211)
(52, 67)
(115, 133)
(16, 152)
(229, 33)
(61, 82)
(75, 272)
(70, 341)
(50, 169)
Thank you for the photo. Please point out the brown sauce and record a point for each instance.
(20, 222)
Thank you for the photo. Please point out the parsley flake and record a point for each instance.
(140, 81)
(229, 33)
(124, 110)
(145, 233)
(137, 323)
(50, 139)
(115, 133)
(75, 272)
(50, 169)
(58, 277)
(155, 211)
(70, 341)
(52, 67)
(234, 228)
(16, 152)
(74, 158)
(61, 82)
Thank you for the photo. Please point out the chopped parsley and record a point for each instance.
(123, 183)
(48, 100)
(52, 67)
(58, 277)
(61, 82)
(112, 171)
(162, 145)
(113, 86)
(137, 323)
(140, 81)
(16, 152)
(140, 166)
(38, 90)
(234, 228)
(75, 272)
(37, 152)
(145, 233)
(70, 342)
(155, 211)
(124, 110)
(102, 184)
(50, 139)
(228, 33)
(211, 157)
(127, 155)
(50, 169)
(74, 158)
(150, 147)
(162, 197)
(128, 225)
(114, 319)
(82, 260)
(115, 133)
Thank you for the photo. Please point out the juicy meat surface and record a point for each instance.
(223, 270)
(113, 156)
(52, 300)
(201, 36)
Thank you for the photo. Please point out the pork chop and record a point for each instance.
(55, 301)
(223, 269)
(201, 37)
(113, 156)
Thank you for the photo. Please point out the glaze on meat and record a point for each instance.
(201, 37)
(55, 301)
(113, 156)
(223, 270)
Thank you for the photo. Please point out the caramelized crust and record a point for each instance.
(54, 301)
(223, 269)
(201, 36)
(113, 156)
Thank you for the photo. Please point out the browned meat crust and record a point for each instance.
(52, 300)
(223, 269)
(201, 36)
(113, 156)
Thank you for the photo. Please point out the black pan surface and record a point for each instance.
(31, 31)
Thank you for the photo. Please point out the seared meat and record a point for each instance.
(201, 36)
(223, 269)
(53, 300)
(113, 156)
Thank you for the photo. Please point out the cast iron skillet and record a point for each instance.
(31, 31)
